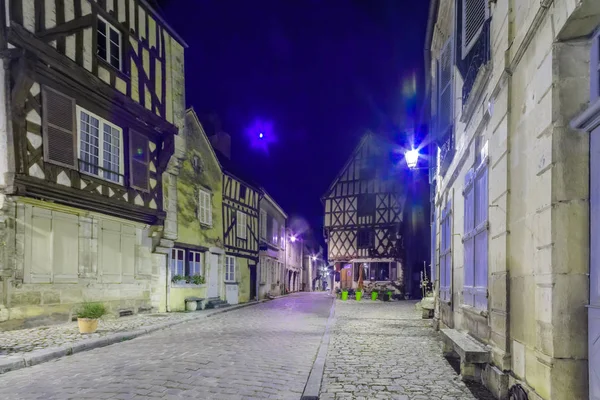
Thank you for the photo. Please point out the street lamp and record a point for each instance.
(412, 158)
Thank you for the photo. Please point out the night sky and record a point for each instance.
(313, 74)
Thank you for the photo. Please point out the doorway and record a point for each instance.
(252, 282)
(213, 276)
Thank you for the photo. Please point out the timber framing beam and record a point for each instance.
(67, 28)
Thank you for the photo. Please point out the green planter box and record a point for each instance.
(344, 296)
(373, 295)
(358, 296)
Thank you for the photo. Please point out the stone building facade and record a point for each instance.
(88, 157)
(511, 189)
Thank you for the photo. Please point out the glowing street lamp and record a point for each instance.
(412, 158)
(293, 238)
(314, 258)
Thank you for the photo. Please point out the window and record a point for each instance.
(204, 207)
(275, 239)
(282, 237)
(263, 224)
(476, 235)
(240, 221)
(177, 262)
(183, 265)
(366, 204)
(108, 41)
(366, 238)
(242, 192)
(379, 271)
(138, 161)
(474, 15)
(229, 269)
(100, 147)
(446, 253)
(445, 103)
(194, 266)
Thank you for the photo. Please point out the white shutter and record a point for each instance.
(204, 207)
(241, 225)
(474, 14)
(274, 239)
(445, 103)
(263, 224)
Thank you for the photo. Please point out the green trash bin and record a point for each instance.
(373, 295)
(358, 295)
(344, 295)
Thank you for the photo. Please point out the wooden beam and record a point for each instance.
(83, 83)
(62, 30)
(23, 83)
(11, 54)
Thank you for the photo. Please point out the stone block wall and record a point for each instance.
(64, 256)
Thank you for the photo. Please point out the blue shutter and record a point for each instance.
(481, 237)
(433, 246)
(468, 240)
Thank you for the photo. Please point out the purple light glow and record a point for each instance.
(261, 135)
(293, 239)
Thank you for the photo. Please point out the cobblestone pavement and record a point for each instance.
(383, 350)
(261, 352)
(25, 340)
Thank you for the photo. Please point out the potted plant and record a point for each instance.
(198, 280)
(374, 294)
(88, 315)
(177, 278)
(344, 294)
(358, 295)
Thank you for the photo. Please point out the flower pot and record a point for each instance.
(344, 296)
(191, 305)
(373, 296)
(87, 325)
(358, 296)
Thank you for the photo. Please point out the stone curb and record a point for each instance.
(315, 378)
(13, 363)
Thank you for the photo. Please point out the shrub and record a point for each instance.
(177, 278)
(198, 280)
(91, 311)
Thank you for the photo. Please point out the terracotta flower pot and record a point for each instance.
(87, 325)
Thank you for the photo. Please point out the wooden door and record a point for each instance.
(346, 276)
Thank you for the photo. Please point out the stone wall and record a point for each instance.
(63, 256)
(538, 196)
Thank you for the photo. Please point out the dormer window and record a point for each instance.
(108, 42)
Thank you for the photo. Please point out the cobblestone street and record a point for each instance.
(386, 351)
(264, 351)
(377, 350)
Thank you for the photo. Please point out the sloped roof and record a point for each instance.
(231, 168)
(192, 114)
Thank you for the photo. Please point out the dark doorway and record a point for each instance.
(252, 282)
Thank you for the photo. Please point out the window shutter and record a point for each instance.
(138, 160)
(468, 239)
(59, 125)
(209, 208)
(433, 246)
(480, 257)
(474, 14)
(445, 103)
(263, 224)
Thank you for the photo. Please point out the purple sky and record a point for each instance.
(318, 73)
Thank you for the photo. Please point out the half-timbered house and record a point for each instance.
(241, 205)
(364, 213)
(95, 101)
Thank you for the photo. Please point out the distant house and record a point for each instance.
(240, 215)
(272, 247)
(366, 219)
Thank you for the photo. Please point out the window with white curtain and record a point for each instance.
(229, 269)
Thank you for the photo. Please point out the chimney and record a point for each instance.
(222, 143)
